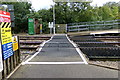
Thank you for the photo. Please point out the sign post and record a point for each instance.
(6, 41)
(6, 35)
(41, 28)
(1, 62)
(50, 25)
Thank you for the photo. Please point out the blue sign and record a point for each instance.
(7, 50)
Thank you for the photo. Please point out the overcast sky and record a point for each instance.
(40, 4)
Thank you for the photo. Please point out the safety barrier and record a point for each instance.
(92, 26)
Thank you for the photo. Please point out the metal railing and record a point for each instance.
(93, 26)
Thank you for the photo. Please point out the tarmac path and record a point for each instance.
(58, 58)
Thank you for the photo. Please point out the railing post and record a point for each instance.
(19, 55)
(66, 28)
(78, 28)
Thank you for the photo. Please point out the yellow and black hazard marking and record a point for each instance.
(6, 35)
(5, 24)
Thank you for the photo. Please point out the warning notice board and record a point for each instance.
(15, 43)
(6, 36)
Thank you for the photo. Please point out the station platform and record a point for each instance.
(113, 31)
(59, 58)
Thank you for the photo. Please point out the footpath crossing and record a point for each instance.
(60, 58)
(58, 50)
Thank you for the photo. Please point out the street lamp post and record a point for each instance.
(54, 1)
(54, 17)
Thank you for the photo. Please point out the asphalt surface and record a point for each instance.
(64, 71)
(59, 49)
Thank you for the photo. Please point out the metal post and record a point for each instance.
(50, 30)
(54, 17)
(66, 29)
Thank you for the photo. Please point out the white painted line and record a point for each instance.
(55, 63)
(13, 71)
(77, 49)
(23, 63)
(27, 61)
(59, 34)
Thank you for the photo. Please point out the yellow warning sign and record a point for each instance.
(40, 26)
(15, 43)
(6, 32)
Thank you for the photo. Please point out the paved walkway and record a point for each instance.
(59, 49)
(58, 58)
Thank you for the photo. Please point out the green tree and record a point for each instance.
(21, 9)
(113, 6)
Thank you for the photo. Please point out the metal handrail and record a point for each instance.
(96, 25)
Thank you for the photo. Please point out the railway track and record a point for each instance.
(29, 44)
(94, 48)
(97, 43)
(34, 38)
(108, 38)
(21, 37)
